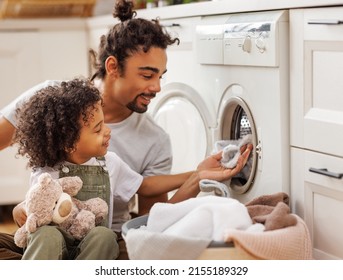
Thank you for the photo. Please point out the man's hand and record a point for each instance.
(211, 168)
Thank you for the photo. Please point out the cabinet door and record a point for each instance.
(317, 103)
(20, 69)
(64, 54)
(324, 204)
(317, 196)
(182, 55)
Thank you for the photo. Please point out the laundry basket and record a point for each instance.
(46, 8)
(215, 250)
(290, 243)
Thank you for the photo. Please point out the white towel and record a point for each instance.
(183, 230)
(142, 244)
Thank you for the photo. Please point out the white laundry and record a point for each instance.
(231, 151)
(218, 188)
(183, 230)
(142, 244)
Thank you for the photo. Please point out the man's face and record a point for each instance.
(141, 81)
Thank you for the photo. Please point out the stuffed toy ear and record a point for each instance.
(44, 179)
(71, 185)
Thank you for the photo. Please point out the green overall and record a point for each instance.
(52, 243)
(96, 182)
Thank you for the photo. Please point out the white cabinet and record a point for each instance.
(96, 27)
(31, 52)
(316, 63)
(19, 66)
(184, 53)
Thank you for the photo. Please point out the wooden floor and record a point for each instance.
(6, 222)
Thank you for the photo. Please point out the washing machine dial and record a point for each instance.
(260, 42)
(246, 46)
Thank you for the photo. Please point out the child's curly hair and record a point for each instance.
(128, 37)
(49, 123)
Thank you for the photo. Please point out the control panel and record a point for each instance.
(251, 39)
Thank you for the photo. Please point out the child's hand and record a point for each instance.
(19, 214)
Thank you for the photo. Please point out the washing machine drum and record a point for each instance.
(182, 119)
(235, 122)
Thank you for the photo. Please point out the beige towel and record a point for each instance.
(289, 243)
(272, 211)
(270, 200)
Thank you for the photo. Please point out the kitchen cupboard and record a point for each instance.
(19, 64)
(184, 29)
(29, 54)
(316, 60)
(97, 27)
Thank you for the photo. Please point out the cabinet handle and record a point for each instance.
(171, 25)
(325, 21)
(324, 171)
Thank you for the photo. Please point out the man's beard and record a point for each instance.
(135, 108)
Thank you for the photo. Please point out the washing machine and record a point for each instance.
(243, 66)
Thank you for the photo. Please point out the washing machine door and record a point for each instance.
(236, 121)
(182, 113)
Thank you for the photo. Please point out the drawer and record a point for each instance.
(323, 203)
(182, 28)
(316, 81)
(324, 24)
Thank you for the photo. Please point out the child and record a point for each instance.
(61, 129)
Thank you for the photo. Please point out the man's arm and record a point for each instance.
(8, 113)
(6, 133)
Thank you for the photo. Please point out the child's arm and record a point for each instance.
(159, 184)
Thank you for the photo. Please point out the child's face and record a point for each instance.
(94, 137)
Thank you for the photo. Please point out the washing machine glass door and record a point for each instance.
(236, 121)
(182, 120)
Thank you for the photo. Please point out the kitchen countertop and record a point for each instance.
(232, 6)
(169, 12)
